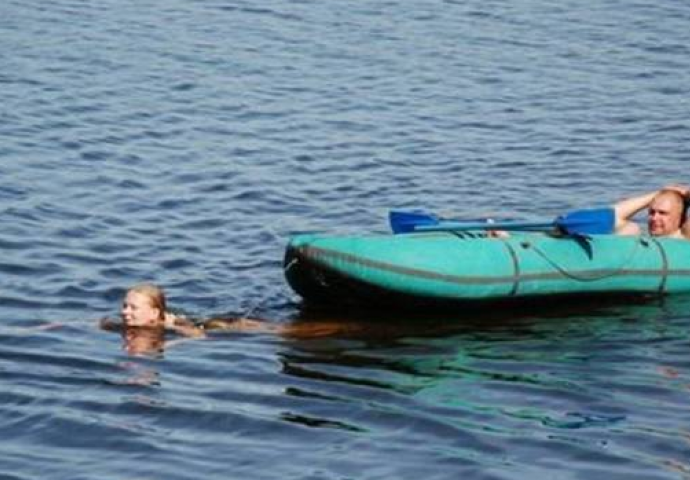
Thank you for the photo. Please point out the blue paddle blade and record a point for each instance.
(406, 222)
(579, 222)
(593, 221)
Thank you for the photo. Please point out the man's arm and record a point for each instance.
(627, 209)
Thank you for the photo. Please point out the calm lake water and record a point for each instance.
(184, 141)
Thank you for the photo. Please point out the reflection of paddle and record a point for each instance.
(578, 222)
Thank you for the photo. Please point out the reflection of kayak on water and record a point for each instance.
(601, 315)
(470, 268)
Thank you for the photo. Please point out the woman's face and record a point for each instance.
(138, 312)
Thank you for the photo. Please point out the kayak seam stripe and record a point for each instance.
(316, 252)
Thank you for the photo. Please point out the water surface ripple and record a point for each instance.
(183, 142)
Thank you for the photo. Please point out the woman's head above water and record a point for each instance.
(144, 306)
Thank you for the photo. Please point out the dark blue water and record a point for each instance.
(183, 142)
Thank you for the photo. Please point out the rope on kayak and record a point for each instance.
(463, 235)
(664, 260)
(516, 267)
(292, 263)
(608, 273)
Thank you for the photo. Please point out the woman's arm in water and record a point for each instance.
(183, 326)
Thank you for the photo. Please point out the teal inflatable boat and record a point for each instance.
(446, 267)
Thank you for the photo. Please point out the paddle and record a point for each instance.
(577, 222)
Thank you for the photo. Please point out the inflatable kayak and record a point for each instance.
(471, 268)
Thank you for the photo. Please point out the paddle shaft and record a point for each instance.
(464, 226)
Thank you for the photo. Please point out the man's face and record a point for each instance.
(664, 215)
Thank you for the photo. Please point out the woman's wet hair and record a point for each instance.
(155, 295)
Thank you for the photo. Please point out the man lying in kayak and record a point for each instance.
(666, 213)
(667, 210)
